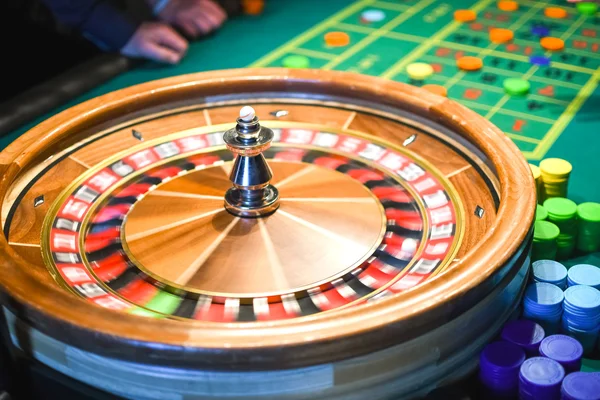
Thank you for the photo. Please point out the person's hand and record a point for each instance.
(193, 17)
(156, 41)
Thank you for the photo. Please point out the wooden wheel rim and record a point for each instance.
(473, 271)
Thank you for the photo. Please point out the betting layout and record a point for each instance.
(527, 66)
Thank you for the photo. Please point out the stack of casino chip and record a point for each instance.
(545, 235)
(540, 213)
(564, 349)
(584, 274)
(588, 222)
(562, 212)
(555, 175)
(540, 378)
(543, 303)
(581, 386)
(499, 365)
(526, 334)
(550, 271)
(581, 315)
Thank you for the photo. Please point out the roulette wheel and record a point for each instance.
(263, 233)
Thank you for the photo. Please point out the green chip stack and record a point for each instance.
(588, 237)
(544, 245)
(555, 175)
(540, 213)
(562, 212)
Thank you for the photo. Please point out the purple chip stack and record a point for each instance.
(524, 333)
(499, 364)
(540, 378)
(581, 386)
(564, 349)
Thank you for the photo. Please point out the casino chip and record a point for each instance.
(501, 35)
(524, 333)
(253, 7)
(516, 86)
(464, 15)
(555, 12)
(539, 60)
(584, 274)
(543, 304)
(337, 39)
(563, 349)
(581, 385)
(436, 89)
(540, 213)
(550, 271)
(540, 378)
(540, 31)
(469, 63)
(508, 6)
(552, 43)
(555, 175)
(562, 213)
(544, 245)
(587, 7)
(588, 235)
(372, 16)
(419, 71)
(296, 61)
(499, 364)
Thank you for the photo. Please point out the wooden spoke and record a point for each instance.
(277, 269)
(166, 227)
(330, 199)
(193, 268)
(319, 229)
(307, 169)
(185, 195)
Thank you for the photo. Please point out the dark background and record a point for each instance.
(34, 47)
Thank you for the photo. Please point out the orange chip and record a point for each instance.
(508, 5)
(552, 43)
(436, 89)
(337, 39)
(501, 35)
(469, 63)
(464, 15)
(253, 7)
(555, 12)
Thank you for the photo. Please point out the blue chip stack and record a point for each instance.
(550, 271)
(584, 274)
(499, 365)
(581, 386)
(565, 350)
(540, 378)
(543, 303)
(581, 316)
(526, 334)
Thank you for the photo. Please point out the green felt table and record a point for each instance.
(560, 117)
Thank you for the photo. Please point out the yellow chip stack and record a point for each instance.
(555, 176)
(539, 183)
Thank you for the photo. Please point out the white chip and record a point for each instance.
(373, 15)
